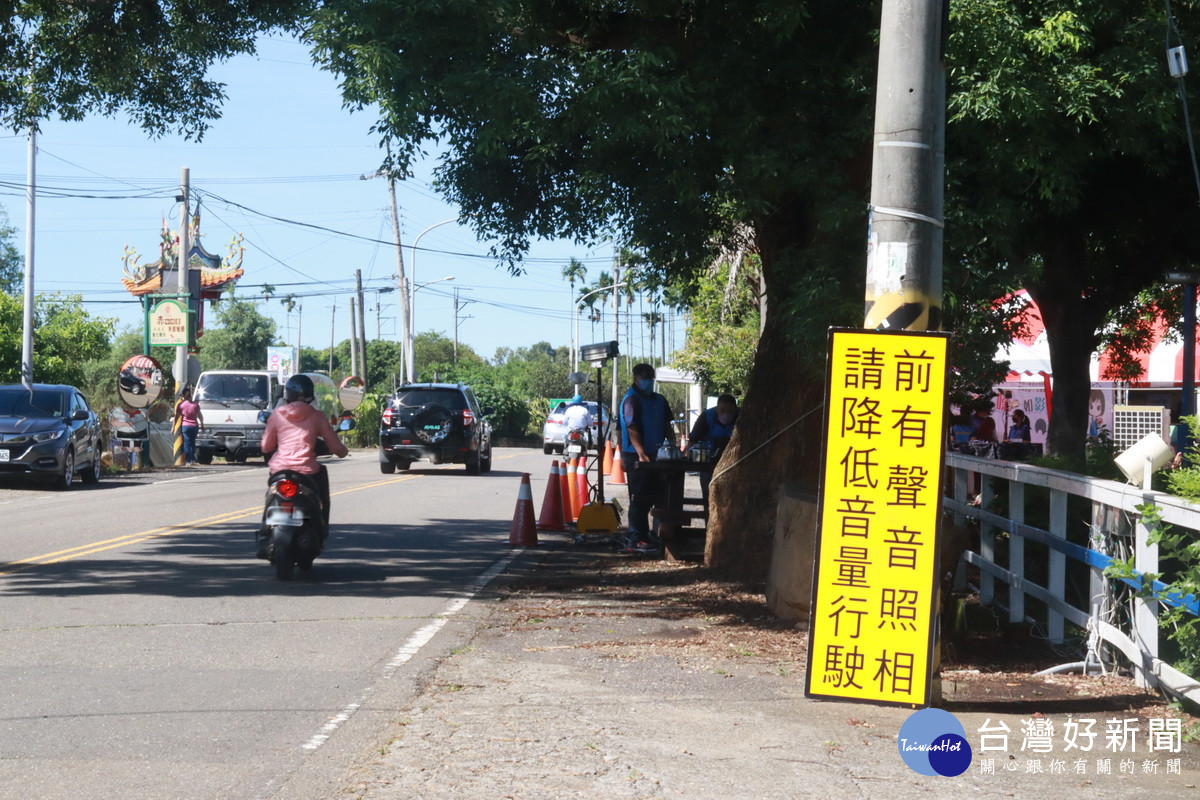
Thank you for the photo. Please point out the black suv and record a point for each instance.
(441, 422)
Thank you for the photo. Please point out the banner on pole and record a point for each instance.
(871, 635)
(282, 361)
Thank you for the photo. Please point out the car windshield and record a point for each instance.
(233, 391)
(21, 402)
(415, 398)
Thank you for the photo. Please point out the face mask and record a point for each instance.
(725, 419)
(645, 384)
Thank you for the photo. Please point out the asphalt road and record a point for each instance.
(145, 653)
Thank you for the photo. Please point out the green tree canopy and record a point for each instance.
(64, 337)
(146, 59)
(12, 266)
(240, 339)
(723, 333)
(1068, 168)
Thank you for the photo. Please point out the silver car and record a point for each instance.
(553, 430)
(49, 431)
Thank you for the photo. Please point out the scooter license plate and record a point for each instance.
(291, 519)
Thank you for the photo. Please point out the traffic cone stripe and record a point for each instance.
(617, 476)
(524, 532)
(551, 518)
(565, 491)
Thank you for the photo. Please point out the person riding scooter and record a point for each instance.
(292, 432)
(577, 415)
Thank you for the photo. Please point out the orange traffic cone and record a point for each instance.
(564, 487)
(606, 465)
(582, 495)
(551, 518)
(524, 532)
(617, 476)
(571, 512)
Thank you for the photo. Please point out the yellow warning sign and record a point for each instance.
(871, 632)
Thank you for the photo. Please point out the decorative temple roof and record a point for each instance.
(215, 273)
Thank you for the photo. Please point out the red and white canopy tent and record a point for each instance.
(1029, 364)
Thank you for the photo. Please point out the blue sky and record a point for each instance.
(285, 148)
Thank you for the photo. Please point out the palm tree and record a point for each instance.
(653, 318)
(604, 290)
(574, 271)
(589, 303)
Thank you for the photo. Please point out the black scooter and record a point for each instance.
(294, 522)
(293, 526)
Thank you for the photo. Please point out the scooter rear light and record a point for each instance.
(287, 488)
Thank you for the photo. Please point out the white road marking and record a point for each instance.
(412, 646)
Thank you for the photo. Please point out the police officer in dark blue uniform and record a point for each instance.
(715, 426)
(645, 418)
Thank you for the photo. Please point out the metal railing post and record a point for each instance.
(1016, 554)
(1056, 575)
(1145, 616)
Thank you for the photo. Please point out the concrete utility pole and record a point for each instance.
(30, 215)
(362, 325)
(332, 333)
(185, 247)
(457, 305)
(904, 262)
(401, 280)
(353, 341)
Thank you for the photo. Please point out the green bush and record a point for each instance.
(366, 421)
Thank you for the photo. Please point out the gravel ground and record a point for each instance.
(600, 675)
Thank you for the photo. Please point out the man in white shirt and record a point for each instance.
(577, 415)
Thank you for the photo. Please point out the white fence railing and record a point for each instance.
(1112, 504)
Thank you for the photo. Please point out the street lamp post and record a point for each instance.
(578, 308)
(412, 337)
(411, 331)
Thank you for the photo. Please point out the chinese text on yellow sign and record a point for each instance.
(871, 636)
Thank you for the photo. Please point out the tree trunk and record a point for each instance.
(1072, 311)
(778, 434)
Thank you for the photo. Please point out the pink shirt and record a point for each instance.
(292, 432)
(189, 411)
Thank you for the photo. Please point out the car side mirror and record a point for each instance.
(263, 416)
(79, 414)
(346, 425)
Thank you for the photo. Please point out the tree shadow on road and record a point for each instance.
(435, 557)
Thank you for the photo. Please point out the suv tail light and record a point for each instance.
(387, 416)
(468, 418)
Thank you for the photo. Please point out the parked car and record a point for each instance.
(553, 429)
(130, 382)
(438, 422)
(49, 431)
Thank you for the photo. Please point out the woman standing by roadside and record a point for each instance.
(189, 411)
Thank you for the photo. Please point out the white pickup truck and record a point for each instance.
(233, 402)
